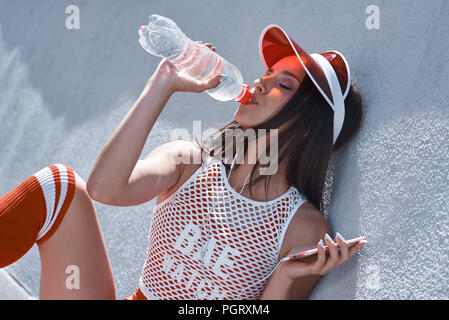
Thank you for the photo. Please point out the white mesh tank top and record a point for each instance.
(207, 241)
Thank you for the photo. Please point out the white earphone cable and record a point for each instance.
(220, 201)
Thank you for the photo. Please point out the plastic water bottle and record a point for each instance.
(163, 38)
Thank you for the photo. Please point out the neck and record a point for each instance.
(278, 182)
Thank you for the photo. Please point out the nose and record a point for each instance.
(259, 86)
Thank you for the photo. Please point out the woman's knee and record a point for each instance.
(63, 189)
(72, 180)
(32, 212)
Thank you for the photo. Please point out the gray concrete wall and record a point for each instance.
(62, 93)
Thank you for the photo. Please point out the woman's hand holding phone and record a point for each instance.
(178, 81)
(339, 251)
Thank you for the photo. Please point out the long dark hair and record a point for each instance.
(306, 141)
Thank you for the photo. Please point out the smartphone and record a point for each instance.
(301, 252)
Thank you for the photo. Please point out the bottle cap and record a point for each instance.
(245, 95)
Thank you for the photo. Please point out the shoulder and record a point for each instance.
(183, 153)
(177, 148)
(187, 156)
(306, 228)
(190, 153)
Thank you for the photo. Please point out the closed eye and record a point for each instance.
(281, 85)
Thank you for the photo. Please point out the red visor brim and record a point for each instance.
(275, 44)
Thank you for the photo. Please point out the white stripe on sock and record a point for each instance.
(64, 183)
(47, 183)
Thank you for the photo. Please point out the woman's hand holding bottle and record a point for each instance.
(178, 81)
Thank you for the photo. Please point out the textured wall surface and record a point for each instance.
(62, 93)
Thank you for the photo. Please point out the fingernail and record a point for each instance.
(224, 77)
(328, 238)
(339, 236)
(321, 243)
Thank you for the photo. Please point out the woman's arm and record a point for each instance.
(118, 176)
(277, 288)
(306, 228)
(296, 279)
(282, 287)
(116, 161)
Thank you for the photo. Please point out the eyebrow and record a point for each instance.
(291, 75)
(287, 73)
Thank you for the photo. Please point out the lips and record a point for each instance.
(253, 99)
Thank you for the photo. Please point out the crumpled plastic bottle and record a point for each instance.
(163, 38)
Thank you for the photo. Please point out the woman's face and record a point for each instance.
(271, 92)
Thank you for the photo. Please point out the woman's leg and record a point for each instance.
(53, 209)
(76, 246)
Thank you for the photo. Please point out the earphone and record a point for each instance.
(220, 200)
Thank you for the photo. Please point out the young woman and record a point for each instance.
(206, 241)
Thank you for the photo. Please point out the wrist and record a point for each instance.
(163, 82)
(281, 275)
(278, 287)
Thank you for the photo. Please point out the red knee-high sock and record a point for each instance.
(32, 211)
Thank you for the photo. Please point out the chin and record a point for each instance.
(243, 120)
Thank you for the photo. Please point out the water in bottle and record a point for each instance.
(163, 38)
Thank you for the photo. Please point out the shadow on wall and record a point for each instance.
(404, 205)
(64, 77)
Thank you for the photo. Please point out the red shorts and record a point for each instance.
(137, 295)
